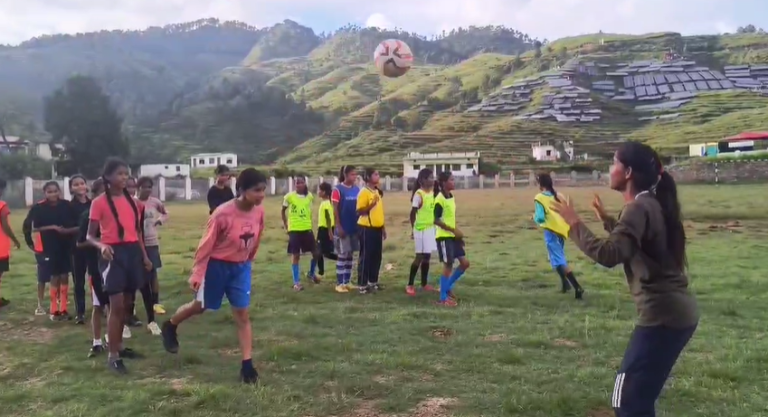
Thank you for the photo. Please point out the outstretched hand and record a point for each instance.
(566, 211)
(598, 208)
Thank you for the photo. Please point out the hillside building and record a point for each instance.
(16, 145)
(548, 152)
(460, 164)
(211, 160)
(164, 170)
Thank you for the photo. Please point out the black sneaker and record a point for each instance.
(377, 287)
(64, 316)
(130, 354)
(117, 366)
(96, 350)
(579, 293)
(364, 290)
(134, 321)
(79, 319)
(170, 338)
(249, 376)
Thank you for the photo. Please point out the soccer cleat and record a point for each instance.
(154, 329)
(579, 293)
(428, 288)
(170, 338)
(39, 311)
(129, 353)
(249, 376)
(117, 366)
(447, 303)
(298, 287)
(96, 350)
(410, 290)
(314, 278)
(159, 309)
(363, 290)
(79, 320)
(452, 296)
(55, 316)
(341, 289)
(126, 332)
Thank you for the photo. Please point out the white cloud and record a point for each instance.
(378, 20)
(541, 18)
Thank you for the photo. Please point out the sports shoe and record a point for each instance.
(428, 288)
(170, 338)
(39, 311)
(298, 287)
(79, 320)
(341, 289)
(55, 316)
(154, 329)
(134, 321)
(126, 332)
(64, 316)
(350, 286)
(313, 278)
(410, 290)
(377, 287)
(579, 293)
(447, 303)
(249, 375)
(96, 350)
(452, 296)
(364, 290)
(117, 366)
(159, 309)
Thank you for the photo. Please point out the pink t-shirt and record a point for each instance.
(101, 213)
(231, 235)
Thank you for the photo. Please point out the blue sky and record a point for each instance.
(550, 19)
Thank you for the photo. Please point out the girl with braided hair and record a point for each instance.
(118, 216)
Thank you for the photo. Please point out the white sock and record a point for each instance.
(97, 342)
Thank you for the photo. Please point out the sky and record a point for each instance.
(550, 19)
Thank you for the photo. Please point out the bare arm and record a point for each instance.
(7, 228)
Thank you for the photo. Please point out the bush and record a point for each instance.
(18, 166)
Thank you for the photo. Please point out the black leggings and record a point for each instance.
(371, 248)
(80, 263)
(149, 301)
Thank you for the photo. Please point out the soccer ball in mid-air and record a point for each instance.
(393, 58)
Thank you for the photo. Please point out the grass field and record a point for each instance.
(514, 347)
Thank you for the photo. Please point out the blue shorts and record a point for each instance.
(555, 249)
(225, 278)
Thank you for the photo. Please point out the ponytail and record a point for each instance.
(666, 194)
(546, 182)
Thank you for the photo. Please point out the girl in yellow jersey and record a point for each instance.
(423, 229)
(325, 224)
(370, 208)
(297, 220)
(555, 231)
(450, 243)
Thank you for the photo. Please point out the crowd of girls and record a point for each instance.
(119, 251)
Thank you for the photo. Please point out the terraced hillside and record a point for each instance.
(435, 108)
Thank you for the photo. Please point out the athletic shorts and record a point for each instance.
(450, 249)
(324, 241)
(59, 262)
(125, 272)
(98, 296)
(225, 278)
(300, 243)
(555, 249)
(347, 245)
(5, 265)
(153, 253)
(43, 269)
(424, 241)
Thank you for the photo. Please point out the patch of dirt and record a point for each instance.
(601, 412)
(565, 342)
(389, 267)
(382, 379)
(431, 407)
(732, 226)
(176, 384)
(28, 331)
(442, 333)
(495, 338)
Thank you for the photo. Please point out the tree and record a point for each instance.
(537, 48)
(81, 117)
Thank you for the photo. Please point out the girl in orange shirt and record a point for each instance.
(6, 237)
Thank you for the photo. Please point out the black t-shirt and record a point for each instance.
(60, 214)
(218, 196)
(78, 208)
(91, 253)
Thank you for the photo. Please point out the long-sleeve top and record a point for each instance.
(539, 214)
(231, 235)
(638, 240)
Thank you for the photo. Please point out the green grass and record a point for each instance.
(514, 346)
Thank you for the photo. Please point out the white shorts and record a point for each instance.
(424, 240)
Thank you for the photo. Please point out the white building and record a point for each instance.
(211, 160)
(16, 145)
(164, 170)
(550, 153)
(460, 164)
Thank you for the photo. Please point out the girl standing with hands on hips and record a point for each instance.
(648, 239)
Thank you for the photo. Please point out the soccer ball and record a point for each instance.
(393, 58)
